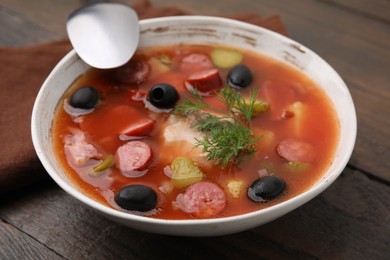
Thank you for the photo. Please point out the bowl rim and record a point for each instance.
(289, 204)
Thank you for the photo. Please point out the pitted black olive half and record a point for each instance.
(163, 95)
(266, 188)
(136, 197)
(239, 77)
(85, 97)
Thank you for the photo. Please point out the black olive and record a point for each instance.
(163, 95)
(266, 188)
(240, 76)
(136, 197)
(85, 97)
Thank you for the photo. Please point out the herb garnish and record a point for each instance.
(229, 138)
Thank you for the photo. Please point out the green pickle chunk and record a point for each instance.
(226, 58)
(185, 172)
(165, 59)
(259, 106)
(297, 167)
(105, 164)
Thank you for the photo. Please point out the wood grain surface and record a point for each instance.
(350, 220)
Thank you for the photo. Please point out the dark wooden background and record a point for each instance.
(350, 220)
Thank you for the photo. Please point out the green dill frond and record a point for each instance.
(228, 138)
(208, 123)
(187, 106)
(228, 142)
(247, 107)
(229, 97)
(236, 103)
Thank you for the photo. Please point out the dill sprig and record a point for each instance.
(236, 103)
(228, 138)
(228, 142)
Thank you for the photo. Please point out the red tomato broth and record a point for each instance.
(320, 129)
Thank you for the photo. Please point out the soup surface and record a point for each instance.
(184, 132)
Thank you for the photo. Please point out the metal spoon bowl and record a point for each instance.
(104, 35)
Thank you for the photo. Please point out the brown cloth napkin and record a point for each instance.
(22, 73)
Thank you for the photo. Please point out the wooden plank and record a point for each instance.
(16, 31)
(380, 9)
(18, 245)
(337, 224)
(49, 15)
(373, 108)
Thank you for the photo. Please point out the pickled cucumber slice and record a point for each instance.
(297, 167)
(158, 66)
(226, 58)
(259, 106)
(165, 59)
(185, 172)
(105, 164)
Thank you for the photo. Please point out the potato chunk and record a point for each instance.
(297, 121)
(235, 187)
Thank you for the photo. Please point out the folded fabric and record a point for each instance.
(23, 70)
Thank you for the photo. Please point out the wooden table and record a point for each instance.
(350, 220)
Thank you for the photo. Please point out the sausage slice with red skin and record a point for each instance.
(205, 81)
(202, 200)
(133, 156)
(195, 62)
(296, 150)
(140, 128)
(133, 72)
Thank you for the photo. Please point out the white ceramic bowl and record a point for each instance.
(201, 29)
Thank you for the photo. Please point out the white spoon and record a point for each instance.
(104, 35)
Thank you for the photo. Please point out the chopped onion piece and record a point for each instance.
(191, 89)
(168, 171)
(134, 174)
(76, 112)
(263, 172)
(139, 96)
(152, 108)
(166, 187)
(130, 138)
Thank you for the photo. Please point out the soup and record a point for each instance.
(194, 131)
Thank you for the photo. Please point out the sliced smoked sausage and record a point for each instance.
(202, 200)
(195, 62)
(204, 81)
(132, 157)
(296, 150)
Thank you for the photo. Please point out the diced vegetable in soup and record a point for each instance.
(195, 131)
